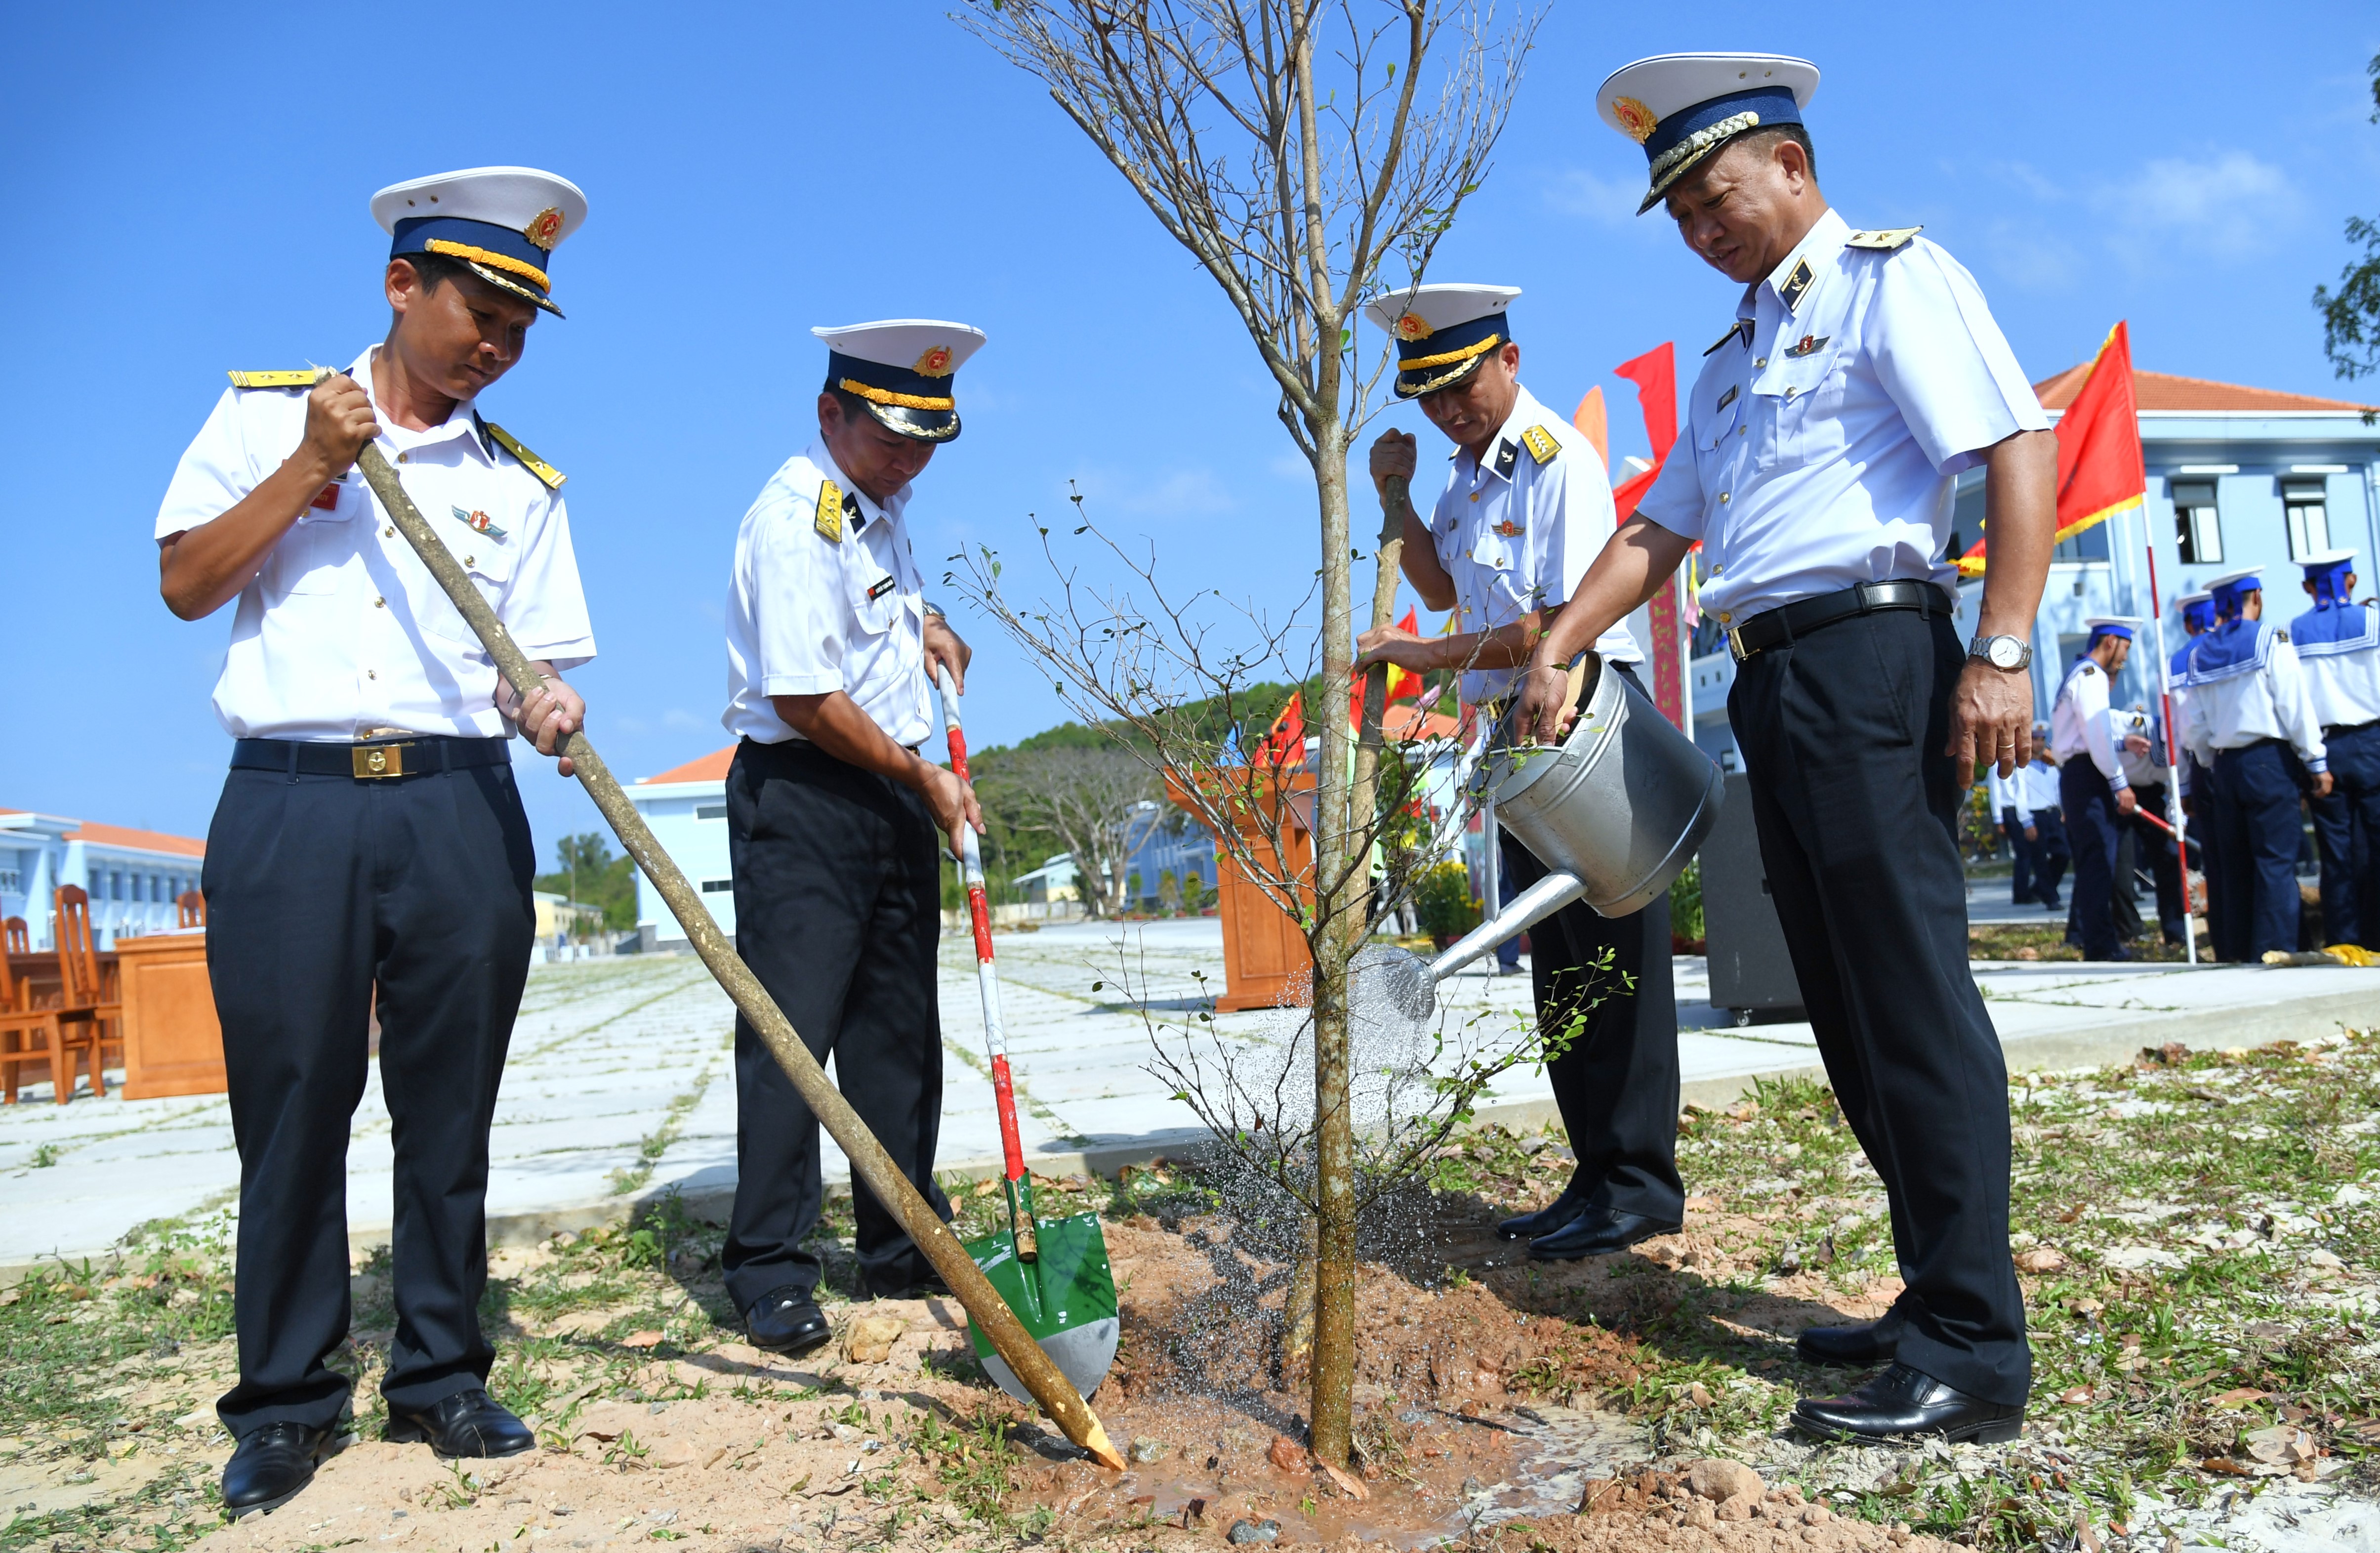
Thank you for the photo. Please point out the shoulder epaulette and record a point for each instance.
(1740, 326)
(829, 520)
(546, 472)
(1540, 443)
(1883, 238)
(303, 378)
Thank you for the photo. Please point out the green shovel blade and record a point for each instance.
(1065, 1298)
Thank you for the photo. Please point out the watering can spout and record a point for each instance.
(1530, 907)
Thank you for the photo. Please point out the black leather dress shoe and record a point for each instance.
(271, 1465)
(1564, 1209)
(1901, 1402)
(787, 1321)
(1861, 1342)
(1598, 1234)
(466, 1424)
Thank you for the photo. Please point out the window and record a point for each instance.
(2090, 545)
(710, 810)
(11, 882)
(2304, 503)
(2197, 528)
(115, 887)
(718, 887)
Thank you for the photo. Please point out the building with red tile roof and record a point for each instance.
(132, 875)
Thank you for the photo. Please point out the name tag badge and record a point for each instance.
(1727, 398)
(882, 587)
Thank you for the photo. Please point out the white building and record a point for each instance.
(686, 807)
(133, 877)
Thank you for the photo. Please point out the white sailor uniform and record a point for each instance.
(1823, 437)
(2338, 648)
(369, 841)
(2251, 721)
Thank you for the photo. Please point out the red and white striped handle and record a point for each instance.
(979, 911)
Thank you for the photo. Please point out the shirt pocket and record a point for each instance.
(309, 557)
(488, 563)
(1805, 396)
(875, 598)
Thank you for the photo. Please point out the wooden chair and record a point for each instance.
(27, 1034)
(20, 937)
(189, 909)
(84, 1019)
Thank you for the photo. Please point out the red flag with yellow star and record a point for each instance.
(2100, 470)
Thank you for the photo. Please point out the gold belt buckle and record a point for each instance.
(376, 761)
(1735, 645)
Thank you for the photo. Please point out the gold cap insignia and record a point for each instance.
(545, 229)
(1635, 118)
(1411, 328)
(935, 363)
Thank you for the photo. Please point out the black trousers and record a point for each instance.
(317, 888)
(2092, 831)
(2156, 847)
(2051, 853)
(2257, 818)
(2021, 852)
(2347, 832)
(1843, 733)
(1617, 1082)
(838, 906)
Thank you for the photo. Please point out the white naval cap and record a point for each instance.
(2112, 625)
(2326, 558)
(503, 222)
(1443, 331)
(903, 369)
(1681, 107)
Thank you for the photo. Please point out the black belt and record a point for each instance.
(2334, 730)
(1773, 628)
(379, 760)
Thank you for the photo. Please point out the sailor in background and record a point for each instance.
(2140, 747)
(2093, 793)
(2338, 644)
(836, 820)
(2250, 713)
(369, 834)
(2197, 611)
(2006, 796)
(1523, 511)
(2036, 786)
(1861, 374)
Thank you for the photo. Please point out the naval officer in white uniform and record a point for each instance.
(369, 835)
(1526, 507)
(2093, 793)
(1862, 373)
(835, 816)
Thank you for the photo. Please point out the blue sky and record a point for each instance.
(186, 187)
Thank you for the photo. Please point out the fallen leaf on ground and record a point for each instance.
(2040, 1259)
(1347, 1484)
(2075, 1396)
(2235, 1395)
(641, 1339)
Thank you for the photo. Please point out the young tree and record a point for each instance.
(1292, 147)
(2350, 316)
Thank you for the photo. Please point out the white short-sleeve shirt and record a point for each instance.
(809, 612)
(342, 630)
(1826, 430)
(1518, 530)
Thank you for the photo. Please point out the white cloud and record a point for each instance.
(1177, 492)
(2229, 205)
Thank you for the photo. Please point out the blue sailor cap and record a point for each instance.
(1444, 332)
(2197, 609)
(2112, 625)
(2228, 588)
(1681, 107)
(503, 222)
(904, 370)
(2327, 572)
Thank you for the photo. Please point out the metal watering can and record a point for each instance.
(1616, 812)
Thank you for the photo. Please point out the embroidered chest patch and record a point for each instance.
(1510, 528)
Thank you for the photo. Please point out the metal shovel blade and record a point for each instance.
(1065, 1298)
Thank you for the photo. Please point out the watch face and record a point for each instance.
(2007, 652)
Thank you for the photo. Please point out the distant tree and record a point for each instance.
(2350, 316)
(586, 870)
(1081, 799)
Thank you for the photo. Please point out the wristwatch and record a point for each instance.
(2011, 652)
(935, 610)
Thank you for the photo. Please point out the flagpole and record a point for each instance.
(2174, 814)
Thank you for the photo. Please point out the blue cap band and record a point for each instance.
(2098, 632)
(1690, 134)
(2330, 583)
(2199, 613)
(508, 251)
(2228, 595)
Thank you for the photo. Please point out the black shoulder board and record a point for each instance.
(1740, 326)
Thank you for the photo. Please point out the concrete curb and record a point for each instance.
(2093, 1046)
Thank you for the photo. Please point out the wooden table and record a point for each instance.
(172, 1043)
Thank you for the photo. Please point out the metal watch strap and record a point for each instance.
(1980, 646)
